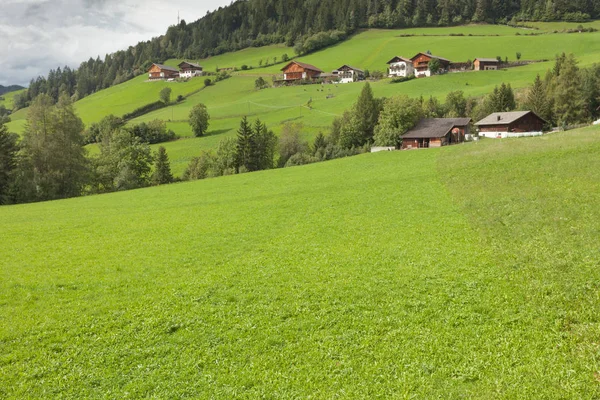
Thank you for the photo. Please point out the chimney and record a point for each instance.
(499, 117)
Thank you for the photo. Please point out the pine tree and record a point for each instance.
(162, 168)
(245, 146)
(365, 113)
(537, 100)
(8, 160)
(569, 104)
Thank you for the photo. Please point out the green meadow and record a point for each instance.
(468, 271)
(228, 101)
(8, 98)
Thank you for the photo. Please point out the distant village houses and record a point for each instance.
(159, 71)
(189, 70)
(511, 124)
(296, 70)
(436, 132)
(400, 67)
(485, 64)
(185, 70)
(348, 74)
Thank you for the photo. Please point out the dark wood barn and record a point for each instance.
(436, 132)
(511, 124)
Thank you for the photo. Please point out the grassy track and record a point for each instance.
(468, 271)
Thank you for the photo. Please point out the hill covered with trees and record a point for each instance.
(8, 89)
(305, 24)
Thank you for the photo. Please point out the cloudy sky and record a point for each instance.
(37, 35)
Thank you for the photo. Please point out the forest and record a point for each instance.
(298, 23)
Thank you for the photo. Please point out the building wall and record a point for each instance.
(401, 69)
(485, 66)
(529, 125)
(189, 73)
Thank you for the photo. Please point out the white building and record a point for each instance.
(400, 67)
(189, 70)
(348, 74)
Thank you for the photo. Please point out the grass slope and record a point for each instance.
(459, 272)
(228, 101)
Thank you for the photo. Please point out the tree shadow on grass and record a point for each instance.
(216, 132)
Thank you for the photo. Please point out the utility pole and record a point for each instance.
(177, 17)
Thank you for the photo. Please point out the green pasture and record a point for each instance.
(228, 101)
(464, 272)
(8, 98)
(561, 26)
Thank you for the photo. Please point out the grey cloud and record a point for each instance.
(37, 35)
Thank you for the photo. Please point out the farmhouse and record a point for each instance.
(297, 70)
(485, 64)
(159, 71)
(348, 74)
(189, 70)
(511, 124)
(400, 67)
(421, 64)
(436, 132)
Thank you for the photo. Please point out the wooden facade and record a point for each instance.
(421, 64)
(436, 132)
(511, 124)
(189, 70)
(296, 71)
(485, 64)
(158, 71)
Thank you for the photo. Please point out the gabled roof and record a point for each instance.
(504, 118)
(303, 65)
(494, 60)
(430, 55)
(166, 67)
(400, 59)
(190, 64)
(435, 127)
(350, 67)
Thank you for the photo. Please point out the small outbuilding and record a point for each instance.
(400, 67)
(348, 74)
(189, 70)
(159, 71)
(296, 70)
(486, 64)
(436, 132)
(511, 124)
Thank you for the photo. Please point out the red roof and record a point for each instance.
(430, 56)
(303, 65)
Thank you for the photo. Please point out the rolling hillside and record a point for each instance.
(462, 272)
(229, 100)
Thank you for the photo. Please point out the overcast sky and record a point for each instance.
(37, 35)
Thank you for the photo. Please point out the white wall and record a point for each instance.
(503, 135)
(400, 69)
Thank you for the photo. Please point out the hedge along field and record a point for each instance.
(382, 275)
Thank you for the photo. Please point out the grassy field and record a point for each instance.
(230, 100)
(463, 272)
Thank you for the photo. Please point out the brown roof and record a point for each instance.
(166, 67)
(494, 60)
(350, 67)
(435, 127)
(190, 64)
(504, 118)
(432, 56)
(399, 58)
(303, 65)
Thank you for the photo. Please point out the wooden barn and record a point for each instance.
(511, 124)
(295, 71)
(436, 132)
(421, 64)
(159, 71)
(485, 64)
(189, 70)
